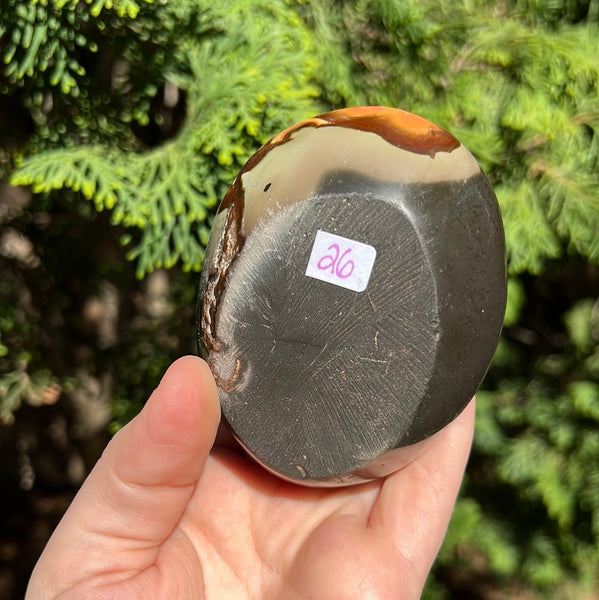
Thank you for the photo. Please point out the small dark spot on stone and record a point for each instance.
(267, 187)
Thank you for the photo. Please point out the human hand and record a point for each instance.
(163, 516)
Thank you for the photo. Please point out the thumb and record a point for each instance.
(138, 490)
(167, 444)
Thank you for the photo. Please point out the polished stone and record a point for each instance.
(352, 294)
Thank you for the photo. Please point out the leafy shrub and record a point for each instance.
(130, 118)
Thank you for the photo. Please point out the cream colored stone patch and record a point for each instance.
(293, 170)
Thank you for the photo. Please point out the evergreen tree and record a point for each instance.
(517, 82)
(127, 120)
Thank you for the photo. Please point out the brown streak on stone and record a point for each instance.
(227, 385)
(233, 241)
(398, 127)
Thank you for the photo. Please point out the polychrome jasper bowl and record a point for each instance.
(352, 294)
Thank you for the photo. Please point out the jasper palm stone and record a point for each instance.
(352, 294)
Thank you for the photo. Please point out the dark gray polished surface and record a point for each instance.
(323, 384)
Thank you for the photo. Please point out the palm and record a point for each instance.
(259, 537)
(161, 524)
(262, 538)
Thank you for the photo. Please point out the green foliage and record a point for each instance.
(18, 382)
(42, 40)
(19, 386)
(132, 117)
(47, 57)
(166, 193)
(519, 92)
(529, 511)
(543, 432)
(517, 86)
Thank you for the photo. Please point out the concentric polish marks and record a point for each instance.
(352, 294)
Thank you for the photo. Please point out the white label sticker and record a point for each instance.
(341, 261)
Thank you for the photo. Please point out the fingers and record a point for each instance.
(169, 441)
(147, 473)
(137, 492)
(415, 504)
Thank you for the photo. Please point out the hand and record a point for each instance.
(161, 516)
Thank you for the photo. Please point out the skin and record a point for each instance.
(164, 514)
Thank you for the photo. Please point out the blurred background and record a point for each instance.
(122, 123)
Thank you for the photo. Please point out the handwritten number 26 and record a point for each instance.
(335, 263)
